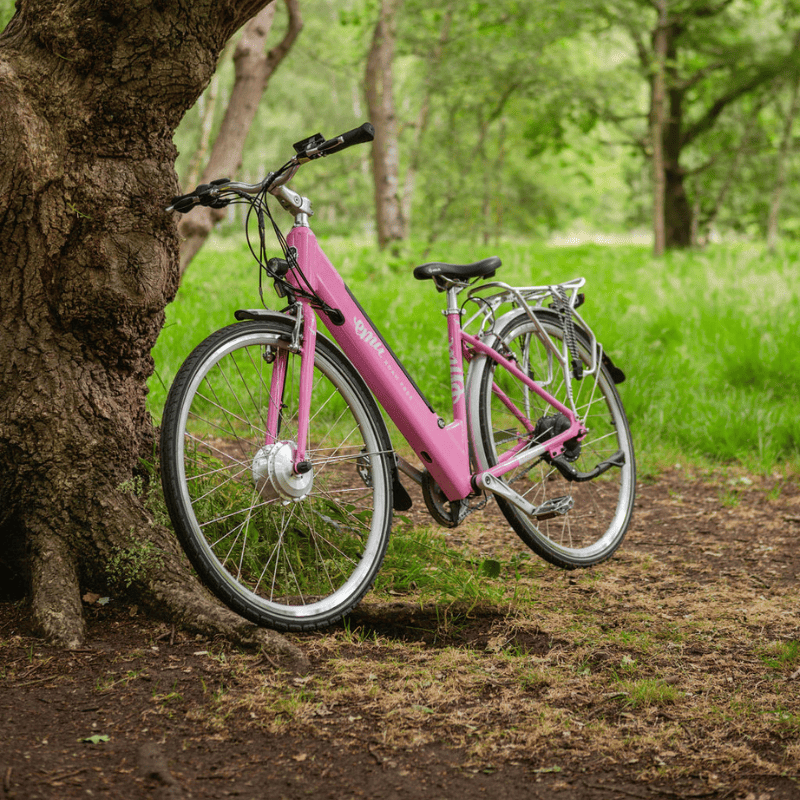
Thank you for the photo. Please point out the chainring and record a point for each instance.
(448, 513)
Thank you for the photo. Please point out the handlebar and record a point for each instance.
(365, 133)
(211, 194)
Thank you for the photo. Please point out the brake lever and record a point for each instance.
(206, 194)
(183, 203)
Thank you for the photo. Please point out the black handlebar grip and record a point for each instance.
(202, 196)
(362, 135)
(183, 203)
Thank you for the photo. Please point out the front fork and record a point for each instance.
(305, 321)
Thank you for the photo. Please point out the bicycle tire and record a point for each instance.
(588, 519)
(284, 551)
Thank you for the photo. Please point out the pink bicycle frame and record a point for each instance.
(443, 448)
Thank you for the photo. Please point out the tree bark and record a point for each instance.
(677, 210)
(90, 95)
(379, 79)
(253, 69)
(784, 152)
(657, 125)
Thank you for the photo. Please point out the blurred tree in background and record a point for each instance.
(253, 68)
(515, 118)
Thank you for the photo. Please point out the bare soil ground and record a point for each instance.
(672, 671)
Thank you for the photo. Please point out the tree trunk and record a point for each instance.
(677, 207)
(657, 126)
(253, 69)
(385, 148)
(784, 153)
(89, 102)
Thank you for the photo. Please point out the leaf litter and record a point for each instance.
(672, 670)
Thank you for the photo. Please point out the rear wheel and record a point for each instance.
(285, 550)
(578, 523)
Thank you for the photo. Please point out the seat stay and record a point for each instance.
(553, 446)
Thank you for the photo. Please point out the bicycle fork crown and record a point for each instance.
(274, 476)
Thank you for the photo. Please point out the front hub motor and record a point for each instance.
(274, 475)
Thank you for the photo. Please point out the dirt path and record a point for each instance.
(671, 671)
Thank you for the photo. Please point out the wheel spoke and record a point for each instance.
(591, 521)
(287, 550)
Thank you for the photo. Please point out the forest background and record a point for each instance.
(571, 120)
(516, 118)
(649, 146)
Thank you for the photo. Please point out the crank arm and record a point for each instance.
(547, 510)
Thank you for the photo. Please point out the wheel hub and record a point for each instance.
(548, 427)
(274, 475)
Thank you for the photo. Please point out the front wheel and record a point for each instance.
(287, 549)
(579, 523)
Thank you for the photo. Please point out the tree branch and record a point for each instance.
(293, 28)
(711, 10)
(764, 75)
(698, 76)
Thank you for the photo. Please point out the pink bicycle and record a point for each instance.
(277, 466)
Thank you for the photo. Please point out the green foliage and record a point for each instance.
(470, 81)
(707, 339)
(129, 565)
(6, 12)
(523, 118)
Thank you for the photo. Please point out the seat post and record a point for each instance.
(453, 314)
(452, 300)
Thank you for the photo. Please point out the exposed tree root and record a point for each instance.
(57, 610)
(188, 604)
(160, 582)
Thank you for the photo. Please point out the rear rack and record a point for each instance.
(495, 299)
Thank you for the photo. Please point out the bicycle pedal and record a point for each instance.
(554, 507)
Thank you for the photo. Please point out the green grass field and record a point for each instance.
(708, 340)
(709, 343)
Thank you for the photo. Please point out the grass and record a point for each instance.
(420, 561)
(780, 655)
(707, 339)
(603, 667)
(579, 697)
(649, 692)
